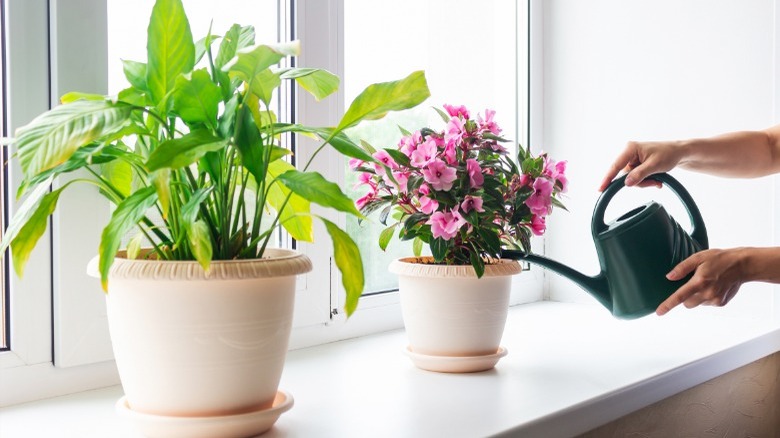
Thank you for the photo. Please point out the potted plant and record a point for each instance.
(457, 191)
(200, 318)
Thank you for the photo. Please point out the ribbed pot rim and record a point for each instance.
(417, 267)
(276, 262)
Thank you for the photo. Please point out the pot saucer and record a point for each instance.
(456, 364)
(223, 426)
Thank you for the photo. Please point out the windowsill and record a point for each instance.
(570, 368)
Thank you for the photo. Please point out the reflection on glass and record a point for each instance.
(468, 51)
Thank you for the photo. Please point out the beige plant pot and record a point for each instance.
(449, 313)
(191, 344)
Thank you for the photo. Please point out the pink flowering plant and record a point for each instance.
(458, 191)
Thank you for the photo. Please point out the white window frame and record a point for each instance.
(73, 353)
(27, 371)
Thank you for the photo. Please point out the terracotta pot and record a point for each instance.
(191, 344)
(450, 312)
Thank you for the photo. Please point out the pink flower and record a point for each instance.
(366, 199)
(439, 175)
(402, 178)
(449, 154)
(424, 154)
(457, 111)
(556, 172)
(445, 224)
(409, 143)
(538, 225)
(560, 168)
(476, 179)
(424, 189)
(454, 131)
(428, 205)
(472, 203)
(354, 163)
(488, 124)
(364, 179)
(384, 158)
(539, 202)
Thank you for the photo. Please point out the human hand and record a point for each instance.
(718, 274)
(642, 159)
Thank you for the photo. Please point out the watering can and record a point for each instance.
(635, 252)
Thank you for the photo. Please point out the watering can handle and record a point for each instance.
(699, 232)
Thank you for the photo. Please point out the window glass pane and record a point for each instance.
(468, 51)
(4, 319)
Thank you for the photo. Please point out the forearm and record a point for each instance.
(761, 264)
(744, 154)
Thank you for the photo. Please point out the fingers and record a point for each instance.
(625, 158)
(685, 267)
(686, 293)
(680, 296)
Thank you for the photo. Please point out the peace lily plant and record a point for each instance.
(194, 139)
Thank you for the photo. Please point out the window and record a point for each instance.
(467, 50)
(55, 323)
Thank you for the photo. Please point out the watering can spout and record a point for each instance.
(596, 286)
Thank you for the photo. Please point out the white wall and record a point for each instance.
(618, 70)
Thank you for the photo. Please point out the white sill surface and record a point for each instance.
(570, 368)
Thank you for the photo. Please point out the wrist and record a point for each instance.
(760, 264)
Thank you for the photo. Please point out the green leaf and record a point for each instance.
(251, 65)
(199, 238)
(126, 216)
(134, 96)
(135, 72)
(161, 182)
(439, 248)
(341, 142)
(196, 98)
(477, 263)
(295, 218)
(189, 211)
(91, 154)
(315, 188)
(33, 229)
(26, 209)
(119, 173)
(251, 61)
(386, 236)
(444, 116)
(347, 257)
(398, 156)
(417, 246)
(75, 95)
(170, 48)
(228, 46)
(491, 240)
(183, 151)
(51, 138)
(319, 83)
(379, 99)
(558, 203)
(134, 246)
(249, 143)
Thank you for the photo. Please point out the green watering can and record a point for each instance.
(635, 252)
